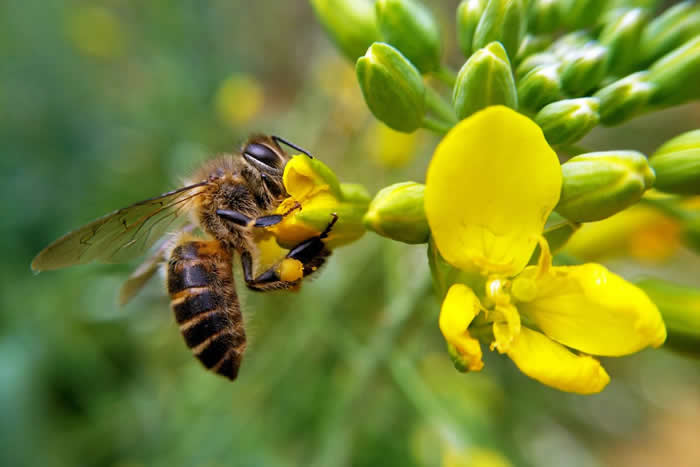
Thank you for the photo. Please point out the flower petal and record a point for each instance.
(458, 310)
(554, 365)
(593, 310)
(490, 186)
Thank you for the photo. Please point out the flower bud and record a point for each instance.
(669, 30)
(569, 43)
(531, 45)
(544, 16)
(680, 308)
(535, 61)
(411, 28)
(677, 164)
(539, 87)
(567, 121)
(468, 15)
(621, 37)
(584, 69)
(580, 14)
(599, 184)
(485, 79)
(624, 98)
(393, 88)
(503, 21)
(677, 75)
(350, 24)
(397, 213)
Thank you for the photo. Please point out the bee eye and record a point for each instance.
(261, 154)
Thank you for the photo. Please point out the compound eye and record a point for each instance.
(262, 154)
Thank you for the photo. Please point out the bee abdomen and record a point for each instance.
(204, 301)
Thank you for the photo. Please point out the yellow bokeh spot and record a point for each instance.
(640, 231)
(238, 100)
(96, 32)
(391, 148)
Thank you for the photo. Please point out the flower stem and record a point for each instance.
(439, 106)
(446, 75)
(435, 125)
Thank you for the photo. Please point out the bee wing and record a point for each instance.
(142, 274)
(123, 234)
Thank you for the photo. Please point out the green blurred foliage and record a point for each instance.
(104, 103)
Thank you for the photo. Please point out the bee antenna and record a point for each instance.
(278, 140)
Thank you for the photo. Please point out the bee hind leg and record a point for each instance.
(311, 253)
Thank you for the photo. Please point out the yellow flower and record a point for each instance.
(490, 187)
(315, 195)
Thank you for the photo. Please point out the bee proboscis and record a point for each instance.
(231, 198)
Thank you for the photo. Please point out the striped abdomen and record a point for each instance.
(203, 298)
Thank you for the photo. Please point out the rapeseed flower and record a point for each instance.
(491, 185)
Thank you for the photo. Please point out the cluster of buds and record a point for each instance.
(565, 66)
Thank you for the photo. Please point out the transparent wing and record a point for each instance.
(141, 275)
(123, 234)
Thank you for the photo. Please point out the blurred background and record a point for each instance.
(104, 103)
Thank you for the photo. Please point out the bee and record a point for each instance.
(229, 200)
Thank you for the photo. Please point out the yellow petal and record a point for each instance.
(458, 310)
(554, 365)
(593, 310)
(490, 186)
(304, 177)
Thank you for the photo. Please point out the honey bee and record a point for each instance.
(229, 199)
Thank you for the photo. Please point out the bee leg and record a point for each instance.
(310, 253)
(263, 221)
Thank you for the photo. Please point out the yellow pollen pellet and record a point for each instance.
(290, 270)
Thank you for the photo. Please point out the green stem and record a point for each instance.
(435, 125)
(436, 104)
(667, 207)
(364, 362)
(446, 75)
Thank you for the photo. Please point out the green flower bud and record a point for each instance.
(468, 15)
(540, 87)
(397, 213)
(621, 36)
(485, 79)
(677, 75)
(677, 164)
(569, 43)
(567, 121)
(503, 21)
(680, 308)
(410, 27)
(531, 45)
(393, 88)
(536, 61)
(544, 16)
(671, 29)
(624, 98)
(580, 14)
(350, 24)
(584, 69)
(596, 185)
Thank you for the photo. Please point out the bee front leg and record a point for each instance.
(263, 221)
(311, 253)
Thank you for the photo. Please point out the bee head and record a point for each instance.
(265, 155)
